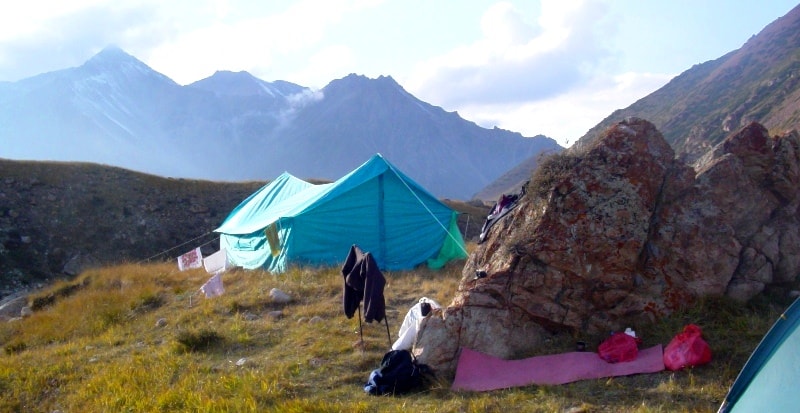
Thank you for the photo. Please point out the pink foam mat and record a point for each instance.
(477, 371)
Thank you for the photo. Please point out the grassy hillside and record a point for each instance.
(141, 338)
(59, 217)
(56, 217)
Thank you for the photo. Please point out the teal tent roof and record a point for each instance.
(376, 207)
(767, 380)
(245, 218)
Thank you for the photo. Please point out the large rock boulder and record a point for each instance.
(627, 234)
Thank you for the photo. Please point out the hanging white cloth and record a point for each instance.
(213, 287)
(411, 324)
(216, 262)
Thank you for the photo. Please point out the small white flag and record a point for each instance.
(192, 259)
(216, 262)
(213, 287)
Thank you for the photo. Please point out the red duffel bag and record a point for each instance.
(618, 348)
(687, 349)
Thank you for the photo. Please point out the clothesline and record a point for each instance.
(181, 245)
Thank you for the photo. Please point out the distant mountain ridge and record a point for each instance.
(244, 84)
(232, 126)
(513, 180)
(696, 110)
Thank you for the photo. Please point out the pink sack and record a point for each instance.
(687, 349)
(618, 348)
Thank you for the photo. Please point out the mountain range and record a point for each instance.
(116, 110)
(696, 110)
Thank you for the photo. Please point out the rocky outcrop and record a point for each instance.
(627, 235)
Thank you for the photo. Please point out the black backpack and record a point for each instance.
(399, 373)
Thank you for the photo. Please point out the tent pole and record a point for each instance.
(360, 329)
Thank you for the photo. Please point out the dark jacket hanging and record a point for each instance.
(363, 280)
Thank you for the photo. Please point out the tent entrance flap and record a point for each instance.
(452, 248)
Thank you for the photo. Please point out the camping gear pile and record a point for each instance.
(364, 283)
(617, 355)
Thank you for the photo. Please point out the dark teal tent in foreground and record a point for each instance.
(768, 381)
(377, 207)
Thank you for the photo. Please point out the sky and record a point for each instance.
(550, 67)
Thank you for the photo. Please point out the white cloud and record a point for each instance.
(184, 39)
(30, 17)
(516, 61)
(568, 116)
(551, 76)
(330, 63)
(254, 42)
(297, 102)
(503, 26)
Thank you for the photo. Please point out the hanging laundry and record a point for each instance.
(192, 259)
(363, 280)
(213, 287)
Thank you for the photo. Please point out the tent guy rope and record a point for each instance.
(427, 209)
(181, 245)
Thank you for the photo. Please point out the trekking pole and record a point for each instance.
(389, 336)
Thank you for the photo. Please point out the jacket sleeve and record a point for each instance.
(374, 302)
(353, 290)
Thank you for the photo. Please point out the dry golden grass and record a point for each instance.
(96, 345)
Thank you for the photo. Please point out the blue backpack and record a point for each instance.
(398, 373)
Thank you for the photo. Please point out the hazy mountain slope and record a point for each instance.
(698, 108)
(116, 110)
(513, 180)
(450, 156)
(758, 82)
(91, 113)
(244, 84)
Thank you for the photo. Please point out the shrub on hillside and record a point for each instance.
(202, 340)
(552, 169)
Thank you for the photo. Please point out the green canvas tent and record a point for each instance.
(767, 381)
(377, 207)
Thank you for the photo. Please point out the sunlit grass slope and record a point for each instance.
(140, 338)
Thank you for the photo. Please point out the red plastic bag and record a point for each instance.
(687, 349)
(618, 348)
